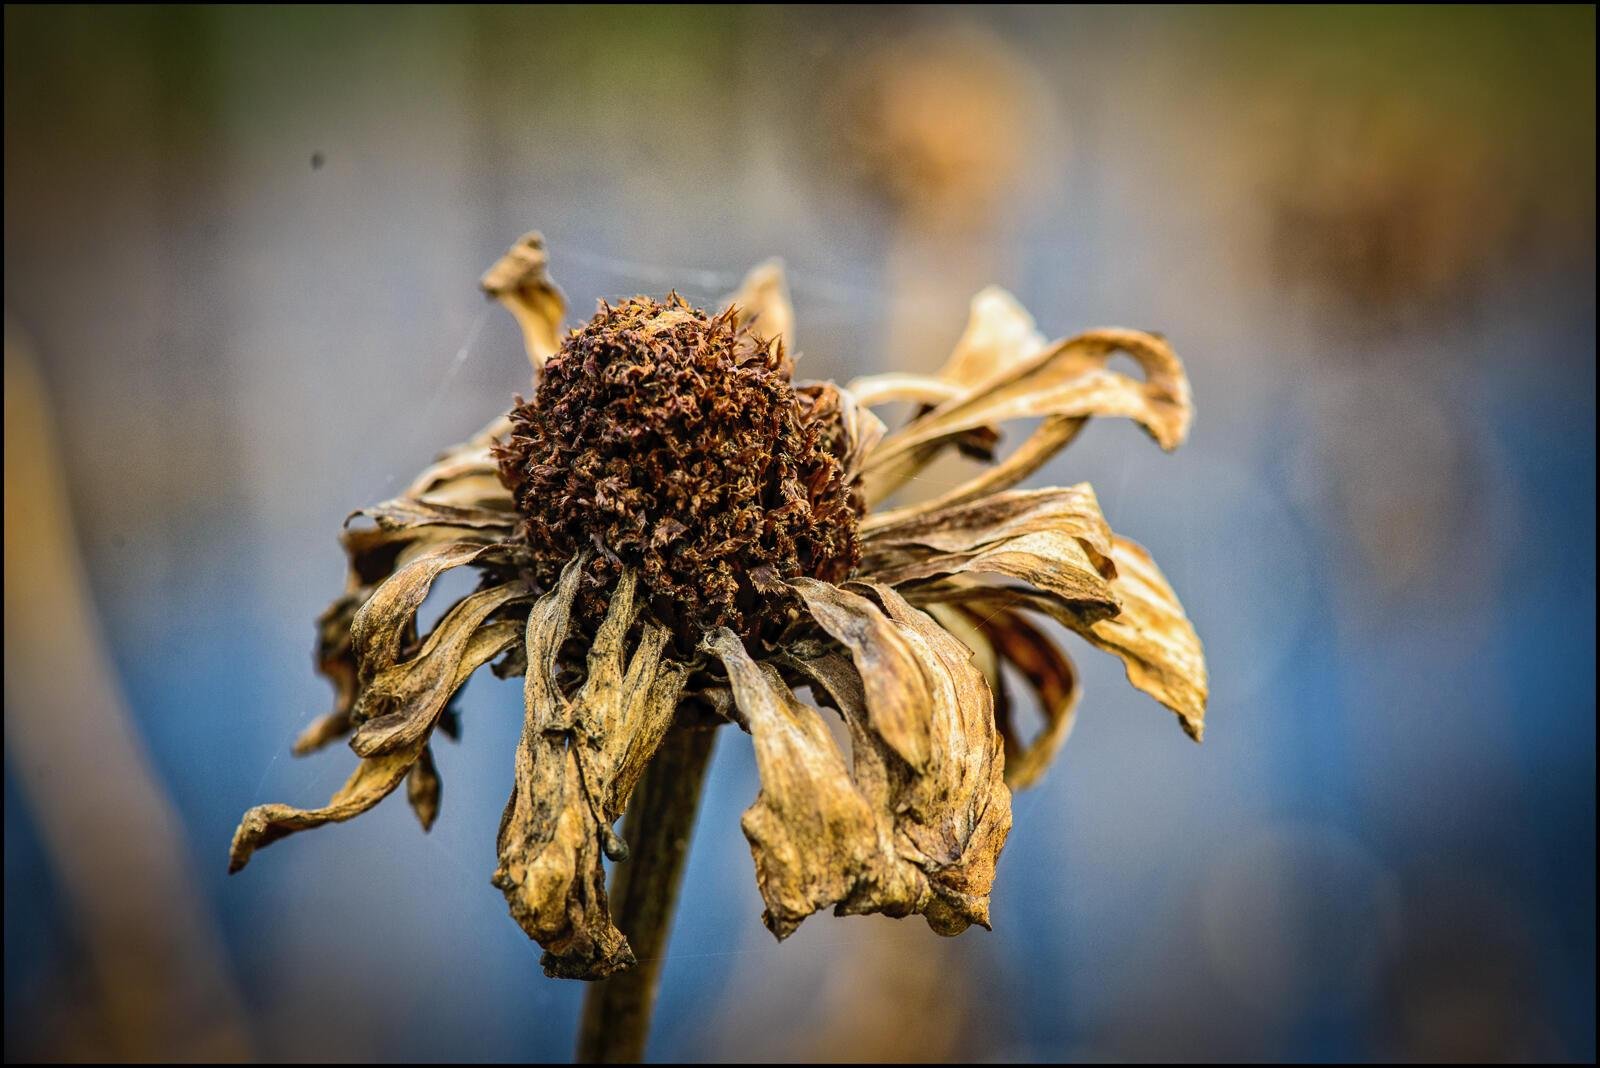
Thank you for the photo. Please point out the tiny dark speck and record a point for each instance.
(316, 161)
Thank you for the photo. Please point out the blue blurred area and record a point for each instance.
(1377, 259)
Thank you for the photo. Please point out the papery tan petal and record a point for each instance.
(1050, 437)
(1049, 673)
(892, 386)
(898, 691)
(576, 765)
(403, 702)
(520, 281)
(467, 475)
(956, 816)
(424, 788)
(949, 821)
(763, 301)
(372, 781)
(1071, 510)
(383, 625)
(815, 840)
(1151, 635)
(1053, 539)
(1051, 561)
(1067, 380)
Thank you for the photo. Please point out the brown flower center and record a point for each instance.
(671, 441)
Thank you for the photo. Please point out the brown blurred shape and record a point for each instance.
(159, 986)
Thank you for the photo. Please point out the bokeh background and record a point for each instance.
(241, 249)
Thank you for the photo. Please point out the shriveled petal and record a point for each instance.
(383, 624)
(576, 766)
(423, 788)
(815, 840)
(1053, 539)
(403, 744)
(1000, 334)
(371, 782)
(520, 281)
(403, 702)
(950, 819)
(1066, 381)
(336, 661)
(1073, 510)
(467, 475)
(958, 814)
(762, 301)
(1049, 673)
(898, 690)
(1151, 635)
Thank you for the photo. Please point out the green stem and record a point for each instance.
(644, 893)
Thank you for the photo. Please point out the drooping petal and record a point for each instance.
(815, 840)
(403, 702)
(576, 766)
(958, 814)
(382, 625)
(1049, 673)
(424, 788)
(380, 773)
(898, 692)
(520, 281)
(371, 782)
(1151, 634)
(949, 820)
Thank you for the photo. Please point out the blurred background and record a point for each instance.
(241, 252)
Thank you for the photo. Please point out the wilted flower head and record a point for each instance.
(672, 535)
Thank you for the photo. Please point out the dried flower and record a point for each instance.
(671, 535)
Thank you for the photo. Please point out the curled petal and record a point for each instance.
(372, 782)
(520, 281)
(576, 766)
(336, 661)
(1066, 381)
(403, 702)
(898, 691)
(1151, 635)
(467, 475)
(815, 840)
(382, 625)
(958, 814)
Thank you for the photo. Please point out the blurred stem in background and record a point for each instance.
(161, 991)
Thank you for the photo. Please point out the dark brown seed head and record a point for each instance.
(668, 440)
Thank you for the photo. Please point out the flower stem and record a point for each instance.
(644, 893)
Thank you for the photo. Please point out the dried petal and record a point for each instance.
(1065, 381)
(957, 814)
(423, 788)
(951, 819)
(898, 691)
(520, 281)
(403, 702)
(1050, 675)
(381, 626)
(815, 840)
(576, 766)
(371, 782)
(1151, 635)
